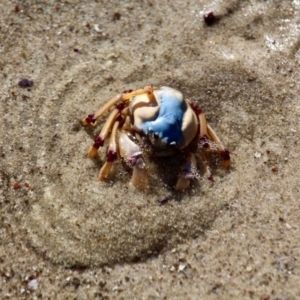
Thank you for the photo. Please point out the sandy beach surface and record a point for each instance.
(65, 235)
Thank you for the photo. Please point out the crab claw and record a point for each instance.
(132, 155)
(139, 177)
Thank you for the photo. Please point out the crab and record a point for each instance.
(155, 121)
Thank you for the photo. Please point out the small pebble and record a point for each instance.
(249, 269)
(33, 284)
(24, 83)
(116, 16)
(96, 27)
(257, 155)
(172, 268)
(288, 226)
(181, 267)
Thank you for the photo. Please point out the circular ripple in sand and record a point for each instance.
(77, 220)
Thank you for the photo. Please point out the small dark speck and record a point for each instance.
(17, 8)
(116, 16)
(251, 78)
(16, 186)
(24, 83)
(210, 18)
(76, 50)
(210, 178)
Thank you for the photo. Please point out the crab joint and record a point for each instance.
(99, 141)
(196, 108)
(90, 119)
(111, 156)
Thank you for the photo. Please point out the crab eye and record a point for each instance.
(173, 144)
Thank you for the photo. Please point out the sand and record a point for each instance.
(65, 235)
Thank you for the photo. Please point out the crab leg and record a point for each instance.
(213, 136)
(205, 143)
(209, 140)
(111, 153)
(201, 117)
(126, 95)
(203, 124)
(146, 90)
(224, 153)
(188, 172)
(92, 118)
(99, 141)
